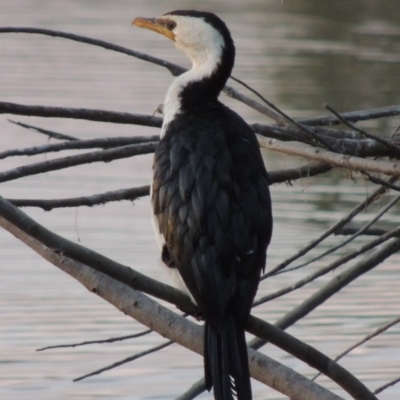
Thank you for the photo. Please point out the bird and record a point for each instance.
(210, 197)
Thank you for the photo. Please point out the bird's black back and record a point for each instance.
(212, 202)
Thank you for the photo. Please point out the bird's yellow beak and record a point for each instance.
(154, 25)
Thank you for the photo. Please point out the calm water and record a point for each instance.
(300, 55)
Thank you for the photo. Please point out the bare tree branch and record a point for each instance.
(362, 148)
(50, 134)
(331, 267)
(288, 175)
(338, 160)
(360, 207)
(375, 333)
(337, 139)
(287, 120)
(170, 325)
(334, 285)
(354, 116)
(72, 161)
(387, 385)
(362, 229)
(311, 356)
(89, 201)
(80, 113)
(80, 254)
(104, 143)
(125, 360)
(134, 193)
(110, 340)
(121, 273)
(195, 390)
(350, 230)
(174, 69)
(380, 181)
(390, 146)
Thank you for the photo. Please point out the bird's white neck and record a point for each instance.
(204, 65)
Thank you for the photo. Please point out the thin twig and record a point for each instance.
(130, 194)
(333, 286)
(277, 114)
(387, 385)
(51, 134)
(110, 340)
(288, 175)
(375, 333)
(353, 116)
(334, 265)
(356, 210)
(231, 92)
(380, 181)
(174, 69)
(104, 143)
(382, 212)
(72, 161)
(287, 118)
(126, 360)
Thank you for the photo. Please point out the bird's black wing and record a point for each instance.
(212, 202)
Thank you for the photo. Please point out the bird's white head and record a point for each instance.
(202, 36)
(206, 40)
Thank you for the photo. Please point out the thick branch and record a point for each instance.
(80, 113)
(123, 274)
(311, 356)
(343, 142)
(100, 263)
(338, 160)
(170, 325)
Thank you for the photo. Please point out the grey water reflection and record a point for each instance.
(300, 55)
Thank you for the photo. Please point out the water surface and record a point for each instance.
(299, 55)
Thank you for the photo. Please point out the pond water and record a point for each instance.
(299, 55)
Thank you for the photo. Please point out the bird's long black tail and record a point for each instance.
(225, 361)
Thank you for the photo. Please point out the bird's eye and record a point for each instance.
(171, 25)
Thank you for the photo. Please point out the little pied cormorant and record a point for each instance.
(210, 196)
